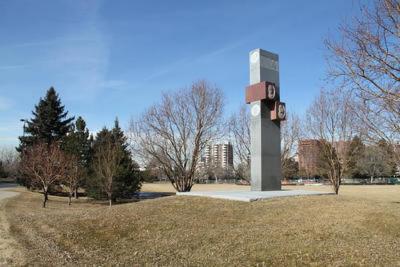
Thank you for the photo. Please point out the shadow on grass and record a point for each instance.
(139, 196)
(152, 195)
(8, 185)
(66, 194)
(82, 196)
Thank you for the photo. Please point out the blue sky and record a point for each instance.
(114, 58)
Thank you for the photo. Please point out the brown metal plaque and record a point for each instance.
(261, 91)
(278, 113)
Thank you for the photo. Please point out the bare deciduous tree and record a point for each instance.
(216, 172)
(9, 159)
(45, 165)
(72, 176)
(330, 120)
(367, 62)
(175, 132)
(290, 136)
(239, 126)
(106, 163)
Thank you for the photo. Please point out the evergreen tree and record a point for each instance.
(374, 163)
(354, 155)
(78, 144)
(50, 122)
(390, 157)
(127, 179)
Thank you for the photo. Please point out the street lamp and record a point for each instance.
(24, 127)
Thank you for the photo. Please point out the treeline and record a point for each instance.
(370, 161)
(361, 99)
(8, 163)
(58, 154)
(360, 160)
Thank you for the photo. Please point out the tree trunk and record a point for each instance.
(110, 202)
(76, 193)
(336, 189)
(184, 186)
(372, 179)
(335, 182)
(69, 198)
(45, 198)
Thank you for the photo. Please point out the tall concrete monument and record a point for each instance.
(267, 112)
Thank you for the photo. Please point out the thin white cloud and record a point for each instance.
(8, 141)
(112, 84)
(7, 127)
(9, 133)
(192, 60)
(9, 138)
(12, 67)
(167, 69)
(5, 103)
(80, 64)
(54, 41)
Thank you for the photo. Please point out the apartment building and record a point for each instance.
(220, 155)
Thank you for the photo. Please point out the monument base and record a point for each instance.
(249, 196)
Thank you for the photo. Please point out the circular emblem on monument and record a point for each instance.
(281, 112)
(254, 57)
(271, 92)
(255, 110)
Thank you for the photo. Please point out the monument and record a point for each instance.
(267, 112)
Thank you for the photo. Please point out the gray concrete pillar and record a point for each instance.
(266, 171)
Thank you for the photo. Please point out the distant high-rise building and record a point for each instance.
(342, 148)
(309, 153)
(219, 155)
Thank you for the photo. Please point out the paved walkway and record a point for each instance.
(10, 252)
(6, 194)
(249, 196)
(6, 190)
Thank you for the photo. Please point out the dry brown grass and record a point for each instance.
(359, 227)
(10, 250)
(167, 187)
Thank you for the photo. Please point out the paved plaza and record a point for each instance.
(249, 196)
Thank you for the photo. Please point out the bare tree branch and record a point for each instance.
(45, 165)
(106, 162)
(239, 127)
(366, 62)
(175, 132)
(330, 120)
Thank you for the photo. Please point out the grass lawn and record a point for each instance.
(360, 226)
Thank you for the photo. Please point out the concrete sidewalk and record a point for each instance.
(249, 196)
(10, 251)
(4, 190)
(7, 194)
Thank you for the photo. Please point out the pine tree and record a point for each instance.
(50, 122)
(354, 155)
(127, 179)
(390, 158)
(78, 144)
(374, 163)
